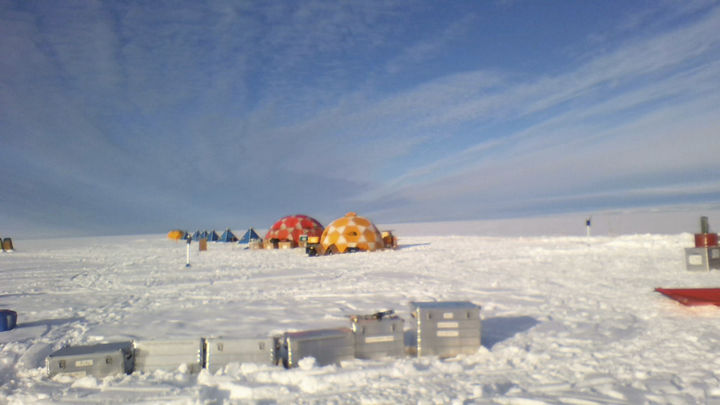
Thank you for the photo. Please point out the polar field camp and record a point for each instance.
(376, 202)
(444, 313)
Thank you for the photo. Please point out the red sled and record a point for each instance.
(693, 296)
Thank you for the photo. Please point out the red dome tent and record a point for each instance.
(290, 228)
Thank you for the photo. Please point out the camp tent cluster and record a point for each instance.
(212, 236)
(349, 233)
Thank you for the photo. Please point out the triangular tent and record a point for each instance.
(228, 236)
(213, 236)
(196, 235)
(249, 235)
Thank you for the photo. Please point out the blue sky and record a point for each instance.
(135, 117)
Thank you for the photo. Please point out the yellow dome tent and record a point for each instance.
(350, 233)
(176, 234)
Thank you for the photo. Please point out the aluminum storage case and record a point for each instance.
(378, 335)
(8, 319)
(702, 258)
(446, 329)
(151, 355)
(327, 346)
(99, 360)
(220, 351)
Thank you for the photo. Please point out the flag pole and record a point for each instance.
(587, 225)
(187, 264)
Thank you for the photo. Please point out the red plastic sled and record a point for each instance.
(693, 296)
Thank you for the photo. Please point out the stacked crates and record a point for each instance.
(98, 360)
(446, 329)
(378, 335)
(443, 329)
(705, 256)
(702, 258)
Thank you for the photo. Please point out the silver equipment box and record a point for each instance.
(446, 329)
(378, 335)
(151, 355)
(327, 346)
(219, 352)
(99, 360)
(702, 258)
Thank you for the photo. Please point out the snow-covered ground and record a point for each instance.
(565, 319)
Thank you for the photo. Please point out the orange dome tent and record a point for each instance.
(176, 234)
(351, 233)
(292, 227)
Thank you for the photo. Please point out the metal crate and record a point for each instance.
(378, 335)
(8, 319)
(99, 360)
(220, 352)
(151, 355)
(446, 329)
(327, 346)
(702, 258)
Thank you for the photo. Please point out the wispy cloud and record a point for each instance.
(254, 110)
(643, 113)
(430, 48)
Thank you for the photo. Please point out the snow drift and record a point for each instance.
(565, 319)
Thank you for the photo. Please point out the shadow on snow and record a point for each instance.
(496, 330)
(412, 245)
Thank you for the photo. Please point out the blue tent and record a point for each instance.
(197, 235)
(228, 236)
(249, 235)
(213, 236)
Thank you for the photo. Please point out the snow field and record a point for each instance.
(565, 319)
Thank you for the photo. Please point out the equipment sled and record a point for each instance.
(693, 296)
